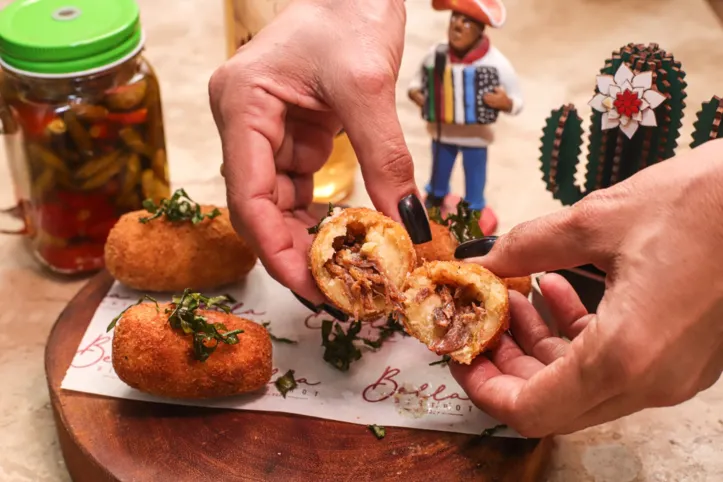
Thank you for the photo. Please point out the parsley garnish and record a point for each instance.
(340, 351)
(179, 208)
(276, 338)
(315, 229)
(442, 361)
(488, 432)
(393, 326)
(120, 315)
(378, 431)
(286, 383)
(206, 336)
(464, 225)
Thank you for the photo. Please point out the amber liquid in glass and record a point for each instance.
(334, 182)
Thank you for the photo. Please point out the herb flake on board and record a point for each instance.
(180, 207)
(277, 338)
(285, 383)
(489, 432)
(378, 431)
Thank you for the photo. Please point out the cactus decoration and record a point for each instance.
(637, 111)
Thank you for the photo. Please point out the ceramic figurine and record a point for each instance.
(637, 110)
(461, 87)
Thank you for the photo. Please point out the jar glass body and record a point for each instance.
(334, 182)
(82, 151)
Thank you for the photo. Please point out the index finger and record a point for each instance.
(249, 143)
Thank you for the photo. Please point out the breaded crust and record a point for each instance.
(161, 256)
(152, 357)
(385, 241)
(488, 289)
(440, 248)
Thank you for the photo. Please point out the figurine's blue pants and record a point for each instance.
(474, 161)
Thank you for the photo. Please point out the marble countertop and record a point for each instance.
(556, 46)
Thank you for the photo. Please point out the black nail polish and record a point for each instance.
(306, 303)
(476, 247)
(335, 312)
(414, 217)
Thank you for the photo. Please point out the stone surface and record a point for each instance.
(557, 47)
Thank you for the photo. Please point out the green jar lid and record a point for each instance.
(68, 36)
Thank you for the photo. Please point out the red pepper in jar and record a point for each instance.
(73, 258)
(77, 215)
(104, 131)
(134, 117)
(34, 118)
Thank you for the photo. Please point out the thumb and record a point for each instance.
(565, 239)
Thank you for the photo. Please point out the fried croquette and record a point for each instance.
(360, 259)
(442, 247)
(166, 256)
(455, 308)
(151, 356)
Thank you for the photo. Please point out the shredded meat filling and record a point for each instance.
(363, 278)
(455, 314)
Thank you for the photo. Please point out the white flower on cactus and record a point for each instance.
(626, 100)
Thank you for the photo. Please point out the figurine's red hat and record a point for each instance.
(488, 12)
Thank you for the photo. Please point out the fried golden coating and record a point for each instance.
(442, 247)
(163, 256)
(455, 308)
(151, 356)
(360, 259)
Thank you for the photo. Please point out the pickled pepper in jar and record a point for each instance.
(87, 107)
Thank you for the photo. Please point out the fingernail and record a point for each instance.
(414, 217)
(335, 312)
(306, 303)
(476, 247)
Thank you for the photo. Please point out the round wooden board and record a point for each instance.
(123, 440)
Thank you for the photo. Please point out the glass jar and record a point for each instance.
(334, 182)
(82, 121)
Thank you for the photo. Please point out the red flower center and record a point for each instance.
(627, 103)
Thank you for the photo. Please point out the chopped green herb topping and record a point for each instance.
(315, 229)
(177, 209)
(464, 225)
(286, 383)
(340, 350)
(206, 336)
(120, 315)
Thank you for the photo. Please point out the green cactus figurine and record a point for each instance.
(638, 107)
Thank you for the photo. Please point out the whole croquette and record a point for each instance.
(455, 308)
(151, 356)
(166, 256)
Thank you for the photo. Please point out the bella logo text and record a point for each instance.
(387, 385)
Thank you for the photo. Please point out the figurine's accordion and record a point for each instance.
(453, 93)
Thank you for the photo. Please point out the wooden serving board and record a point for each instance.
(107, 439)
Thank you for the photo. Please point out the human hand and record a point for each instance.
(498, 99)
(278, 104)
(657, 337)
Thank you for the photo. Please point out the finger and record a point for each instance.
(564, 305)
(564, 239)
(249, 144)
(511, 360)
(607, 411)
(370, 119)
(532, 333)
(488, 388)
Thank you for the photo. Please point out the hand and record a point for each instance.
(657, 337)
(498, 99)
(416, 96)
(278, 104)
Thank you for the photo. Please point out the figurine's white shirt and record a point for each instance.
(474, 135)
